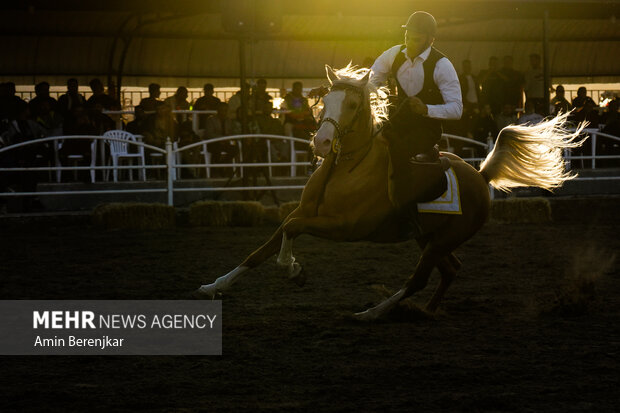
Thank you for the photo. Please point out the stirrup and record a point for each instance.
(425, 159)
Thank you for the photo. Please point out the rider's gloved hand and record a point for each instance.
(417, 106)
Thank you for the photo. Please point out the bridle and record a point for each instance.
(340, 130)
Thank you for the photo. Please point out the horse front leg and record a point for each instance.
(286, 259)
(255, 258)
(295, 226)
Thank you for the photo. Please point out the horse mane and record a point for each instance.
(377, 96)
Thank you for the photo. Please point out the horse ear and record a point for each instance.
(331, 75)
(364, 80)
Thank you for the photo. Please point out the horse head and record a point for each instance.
(346, 101)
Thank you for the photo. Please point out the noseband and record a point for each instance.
(340, 131)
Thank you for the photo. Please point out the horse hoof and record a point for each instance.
(207, 291)
(367, 315)
(298, 275)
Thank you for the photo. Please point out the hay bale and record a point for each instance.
(221, 214)
(521, 210)
(245, 213)
(287, 208)
(272, 215)
(134, 215)
(209, 214)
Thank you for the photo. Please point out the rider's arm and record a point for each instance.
(448, 82)
(380, 70)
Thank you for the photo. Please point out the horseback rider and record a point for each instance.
(428, 92)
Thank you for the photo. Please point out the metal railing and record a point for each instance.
(593, 134)
(54, 140)
(172, 154)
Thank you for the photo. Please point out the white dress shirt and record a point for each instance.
(411, 77)
(471, 95)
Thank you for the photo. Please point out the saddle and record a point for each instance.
(428, 179)
(418, 178)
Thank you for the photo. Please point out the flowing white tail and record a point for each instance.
(531, 155)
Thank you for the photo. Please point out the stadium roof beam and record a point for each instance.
(573, 9)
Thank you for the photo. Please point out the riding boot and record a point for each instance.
(416, 179)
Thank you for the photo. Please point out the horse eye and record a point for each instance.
(352, 105)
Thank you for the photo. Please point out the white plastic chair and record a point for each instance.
(120, 150)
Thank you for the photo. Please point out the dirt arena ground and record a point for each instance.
(530, 324)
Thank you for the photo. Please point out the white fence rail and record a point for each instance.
(172, 155)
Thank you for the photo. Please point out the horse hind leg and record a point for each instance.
(448, 268)
(415, 283)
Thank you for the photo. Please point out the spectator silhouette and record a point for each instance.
(492, 86)
(138, 124)
(269, 125)
(178, 101)
(23, 129)
(299, 121)
(99, 97)
(206, 102)
(470, 90)
(48, 117)
(506, 117)
(217, 126)
(535, 84)
(611, 114)
(101, 122)
(266, 123)
(612, 127)
(159, 126)
(4, 107)
(559, 102)
(10, 103)
(70, 100)
(234, 103)
(260, 97)
(530, 117)
(150, 104)
(484, 126)
(81, 123)
(512, 83)
(584, 108)
(42, 96)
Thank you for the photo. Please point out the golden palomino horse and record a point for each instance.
(351, 196)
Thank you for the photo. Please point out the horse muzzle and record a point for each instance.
(323, 140)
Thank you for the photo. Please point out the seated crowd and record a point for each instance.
(226, 121)
(73, 114)
(491, 101)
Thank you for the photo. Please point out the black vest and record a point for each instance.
(422, 132)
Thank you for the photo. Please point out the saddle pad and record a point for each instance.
(449, 202)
